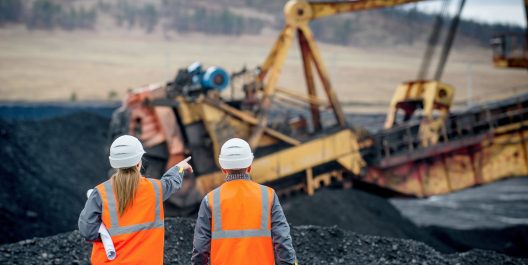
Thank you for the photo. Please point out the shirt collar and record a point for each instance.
(231, 177)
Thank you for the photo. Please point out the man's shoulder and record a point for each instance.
(213, 190)
(210, 193)
(266, 187)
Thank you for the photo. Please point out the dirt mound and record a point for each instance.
(47, 166)
(314, 245)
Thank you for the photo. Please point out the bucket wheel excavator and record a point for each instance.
(434, 153)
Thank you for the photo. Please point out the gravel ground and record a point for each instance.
(314, 245)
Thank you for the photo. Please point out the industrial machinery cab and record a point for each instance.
(510, 50)
(429, 96)
(433, 98)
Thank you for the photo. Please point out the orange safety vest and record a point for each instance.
(138, 234)
(241, 223)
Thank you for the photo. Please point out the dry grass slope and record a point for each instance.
(92, 65)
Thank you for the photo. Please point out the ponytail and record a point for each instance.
(125, 182)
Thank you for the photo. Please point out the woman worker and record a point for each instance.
(130, 206)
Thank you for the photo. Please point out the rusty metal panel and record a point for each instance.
(461, 170)
(502, 157)
(434, 177)
(403, 178)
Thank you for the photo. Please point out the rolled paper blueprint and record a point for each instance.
(108, 244)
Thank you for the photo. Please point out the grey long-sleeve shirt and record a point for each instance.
(280, 233)
(90, 217)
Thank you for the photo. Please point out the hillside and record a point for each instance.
(388, 27)
(98, 49)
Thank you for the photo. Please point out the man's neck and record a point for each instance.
(237, 176)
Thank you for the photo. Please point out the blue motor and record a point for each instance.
(213, 78)
(192, 81)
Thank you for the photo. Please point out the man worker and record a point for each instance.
(241, 222)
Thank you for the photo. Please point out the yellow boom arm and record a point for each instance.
(298, 13)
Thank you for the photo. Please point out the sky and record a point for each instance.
(491, 11)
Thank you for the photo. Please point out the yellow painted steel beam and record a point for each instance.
(324, 9)
(251, 120)
(310, 84)
(308, 99)
(323, 74)
(342, 144)
(300, 11)
(273, 65)
(277, 58)
(278, 48)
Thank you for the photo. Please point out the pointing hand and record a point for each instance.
(185, 165)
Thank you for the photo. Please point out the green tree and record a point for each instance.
(44, 15)
(149, 17)
(11, 11)
(69, 20)
(126, 13)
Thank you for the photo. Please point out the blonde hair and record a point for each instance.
(125, 182)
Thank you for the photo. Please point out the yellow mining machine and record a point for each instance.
(425, 155)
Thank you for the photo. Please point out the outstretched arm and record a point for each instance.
(202, 235)
(280, 233)
(171, 181)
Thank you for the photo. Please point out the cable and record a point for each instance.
(433, 41)
(449, 42)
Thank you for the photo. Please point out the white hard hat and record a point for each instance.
(126, 151)
(235, 154)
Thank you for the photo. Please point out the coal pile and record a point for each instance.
(314, 245)
(492, 216)
(47, 166)
(331, 245)
(366, 213)
(356, 211)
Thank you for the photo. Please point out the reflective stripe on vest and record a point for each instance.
(115, 229)
(218, 233)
